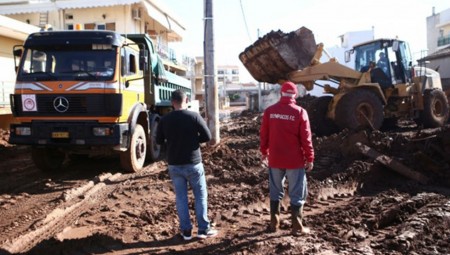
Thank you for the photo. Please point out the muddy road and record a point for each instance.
(356, 204)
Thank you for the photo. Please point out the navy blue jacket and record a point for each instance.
(183, 131)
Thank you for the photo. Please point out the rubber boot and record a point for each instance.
(297, 217)
(274, 216)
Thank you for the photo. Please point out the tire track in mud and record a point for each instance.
(58, 217)
(27, 194)
(52, 212)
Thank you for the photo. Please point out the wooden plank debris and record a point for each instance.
(392, 163)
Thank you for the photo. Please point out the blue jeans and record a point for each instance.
(194, 175)
(297, 185)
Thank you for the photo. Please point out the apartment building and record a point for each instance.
(438, 43)
(124, 16)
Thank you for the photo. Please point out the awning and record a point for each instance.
(27, 8)
(12, 28)
(61, 4)
(77, 4)
(174, 28)
(154, 10)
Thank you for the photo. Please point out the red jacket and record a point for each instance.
(285, 135)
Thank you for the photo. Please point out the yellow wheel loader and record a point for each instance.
(383, 86)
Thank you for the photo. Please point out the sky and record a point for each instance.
(237, 23)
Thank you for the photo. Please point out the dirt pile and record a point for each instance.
(4, 136)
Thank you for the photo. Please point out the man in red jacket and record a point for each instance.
(286, 141)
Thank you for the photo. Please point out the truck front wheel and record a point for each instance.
(133, 159)
(46, 159)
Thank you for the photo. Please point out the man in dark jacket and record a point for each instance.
(183, 131)
(286, 141)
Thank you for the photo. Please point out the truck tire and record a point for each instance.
(317, 112)
(359, 108)
(154, 150)
(46, 159)
(435, 109)
(133, 159)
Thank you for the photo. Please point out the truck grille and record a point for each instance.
(78, 105)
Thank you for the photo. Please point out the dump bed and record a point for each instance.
(276, 54)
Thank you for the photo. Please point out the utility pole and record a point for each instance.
(212, 105)
(259, 86)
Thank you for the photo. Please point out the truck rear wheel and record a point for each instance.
(317, 112)
(46, 159)
(359, 108)
(154, 150)
(435, 109)
(133, 159)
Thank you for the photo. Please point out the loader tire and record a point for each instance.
(321, 125)
(47, 159)
(132, 160)
(435, 109)
(358, 109)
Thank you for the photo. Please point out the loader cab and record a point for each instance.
(392, 60)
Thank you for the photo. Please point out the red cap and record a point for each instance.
(289, 87)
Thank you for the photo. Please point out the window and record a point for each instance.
(111, 26)
(132, 65)
(128, 62)
(101, 27)
(89, 26)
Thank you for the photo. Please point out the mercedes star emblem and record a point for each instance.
(61, 104)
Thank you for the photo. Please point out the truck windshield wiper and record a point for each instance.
(37, 76)
(80, 74)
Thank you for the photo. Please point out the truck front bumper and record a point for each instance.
(60, 134)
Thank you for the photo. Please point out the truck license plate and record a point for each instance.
(60, 134)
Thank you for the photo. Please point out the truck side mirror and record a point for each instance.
(17, 53)
(143, 60)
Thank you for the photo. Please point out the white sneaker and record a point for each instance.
(207, 233)
(187, 235)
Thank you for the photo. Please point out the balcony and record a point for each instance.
(444, 40)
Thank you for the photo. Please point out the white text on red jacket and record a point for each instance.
(282, 116)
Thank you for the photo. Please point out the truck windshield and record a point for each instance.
(67, 64)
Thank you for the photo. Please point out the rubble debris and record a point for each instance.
(392, 163)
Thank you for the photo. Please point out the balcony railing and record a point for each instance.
(444, 40)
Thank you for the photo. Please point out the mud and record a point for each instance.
(355, 204)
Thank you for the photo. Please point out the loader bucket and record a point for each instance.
(276, 54)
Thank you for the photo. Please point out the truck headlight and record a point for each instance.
(101, 131)
(23, 130)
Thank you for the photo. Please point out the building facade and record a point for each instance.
(12, 32)
(124, 16)
(438, 31)
(438, 43)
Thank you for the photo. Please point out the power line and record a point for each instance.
(245, 21)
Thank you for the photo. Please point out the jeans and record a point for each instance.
(297, 185)
(194, 175)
